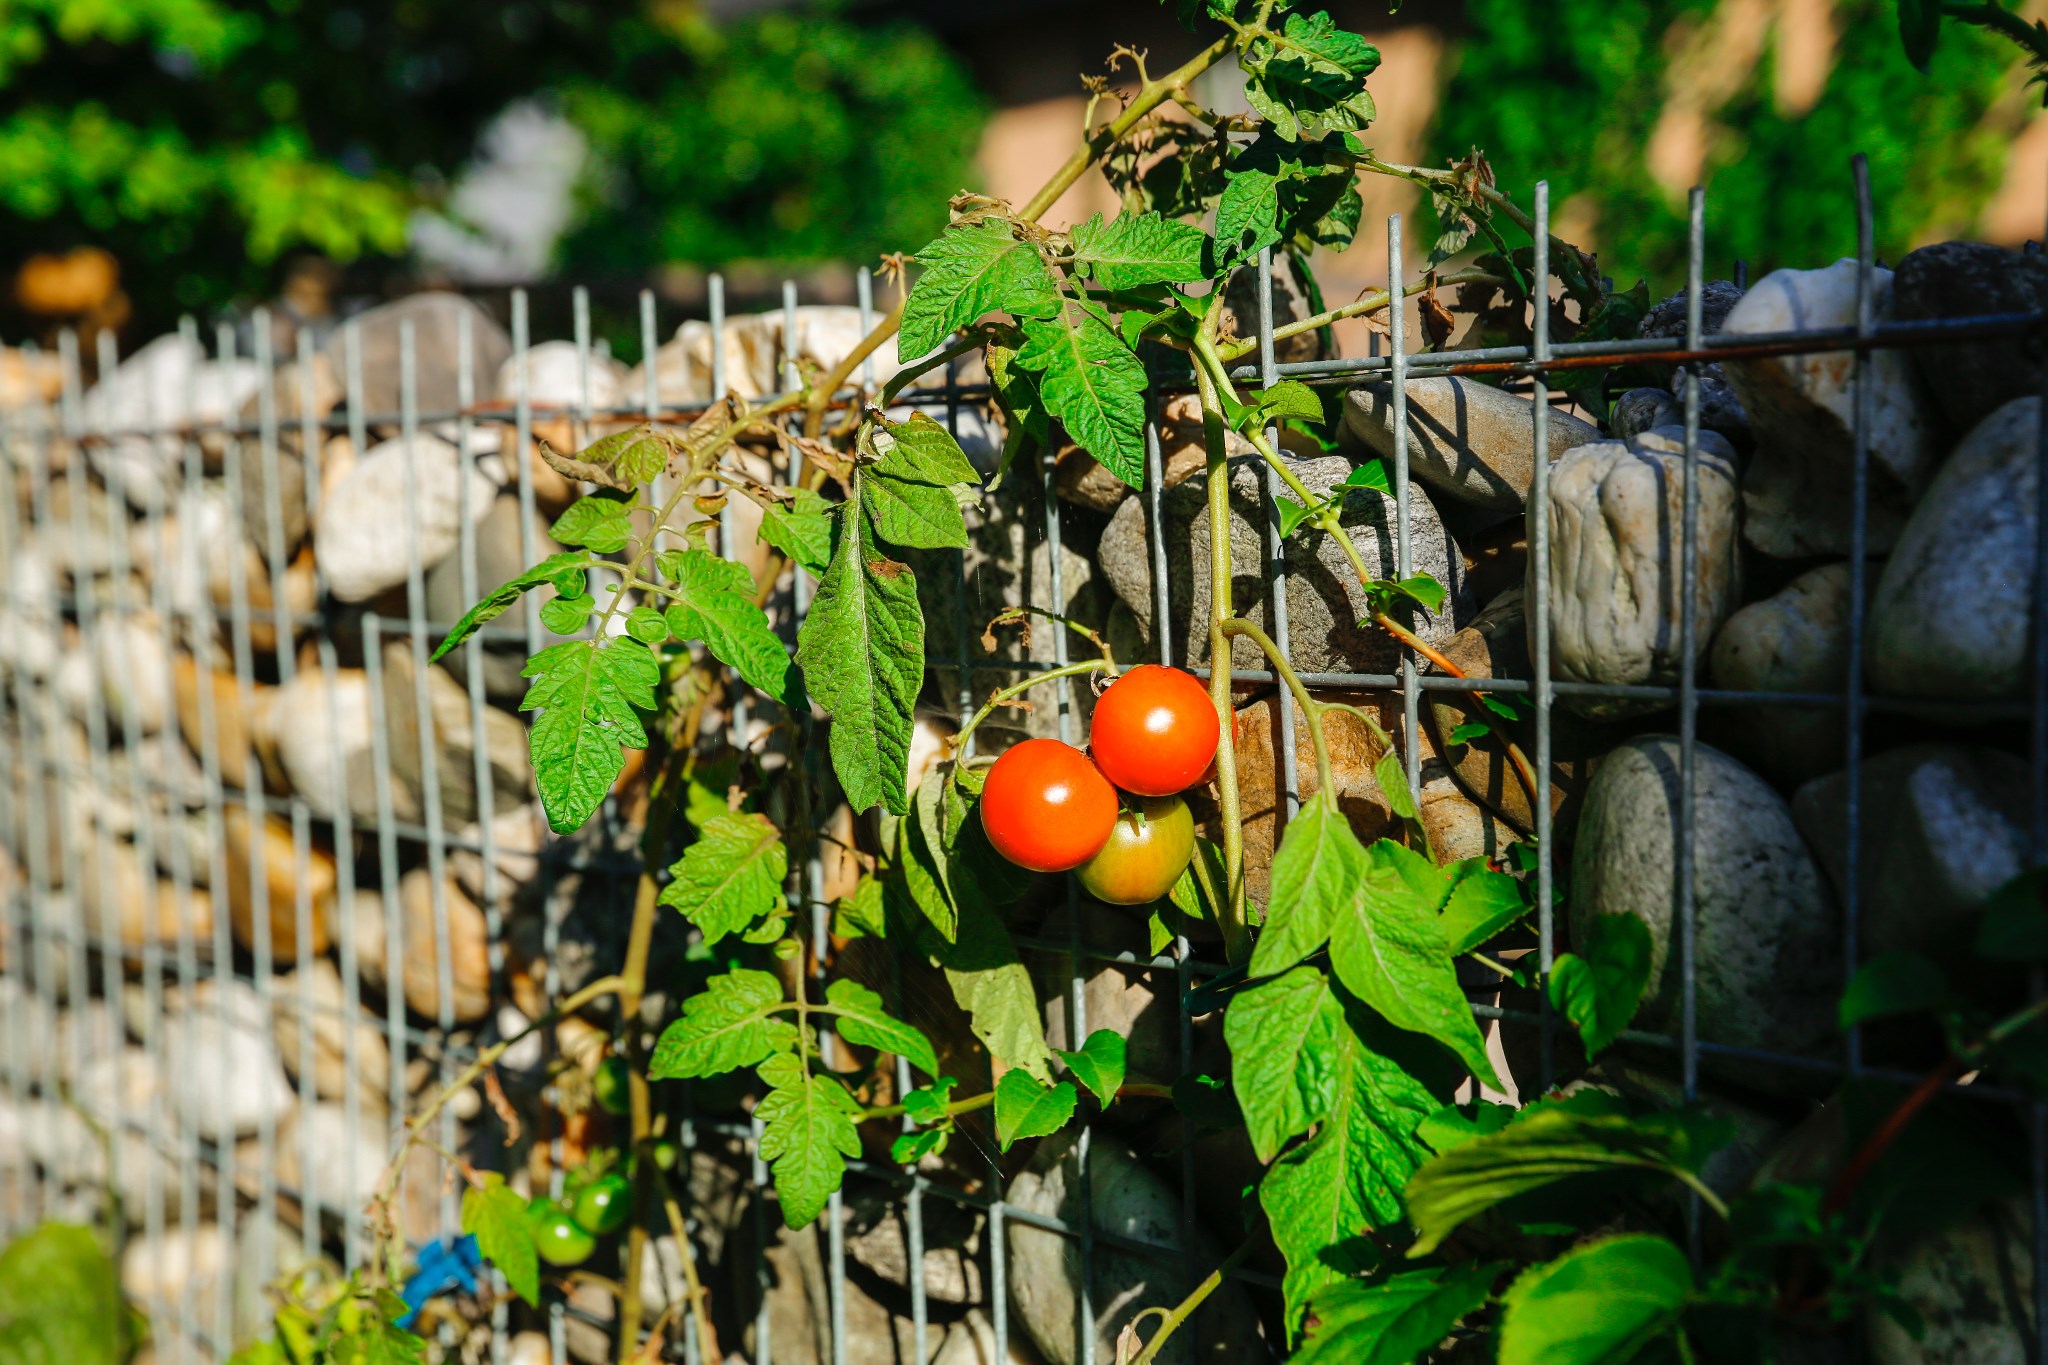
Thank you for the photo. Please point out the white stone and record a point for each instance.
(329, 1161)
(1468, 440)
(1794, 641)
(178, 1266)
(311, 1005)
(1616, 519)
(224, 1075)
(365, 529)
(754, 353)
(1796, 492)
(318, 729)
(167, 383)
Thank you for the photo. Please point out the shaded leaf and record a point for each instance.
(1599, 986)
(496, 1216)
(2015, 923)
(731, 876)
(1893, 983)
(1396, 1320)
(1099, 1065)
(1027, 1108)
(1598, 1303)
(1247, 216)
(864, 1020)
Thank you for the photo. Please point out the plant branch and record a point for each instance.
(1018, 689)
(957, 1107)
(1010, 615)
(1310, 707)
(1188, 1305)
(1371, 302)
(1988, 14)
(632, 985)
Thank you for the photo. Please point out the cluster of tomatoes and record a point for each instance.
(1113, 815)
(598, 1198)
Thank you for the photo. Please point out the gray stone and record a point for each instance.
(1796, 490)
(878, 1239)
(1941, 826)
(1969, 379)
(449, 733)
(1126, 1200)
(1972, 1286)
(1768, 940)
(500, 557)
(366, 526)
(313, 392)
(1616, 542)
(1325, 600)
(436, 320)
(1641, 410)
(1794, 641)
(1466, 439)
(1949, 616)
(1720, 408)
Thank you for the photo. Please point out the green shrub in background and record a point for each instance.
(1572, 91)
(199, 140)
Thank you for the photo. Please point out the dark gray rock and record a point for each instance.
(436, 321)
(1641, 410)
(1721, 408)
(1971, 1285)
(1970, 379)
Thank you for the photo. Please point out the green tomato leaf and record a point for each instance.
(1016, 391)
(1319, 863)
(1389, 948)
(995, 988)
(1290, 398)
(1892, 983)
(717, 606)
(1550, 1142)
(1282, 1034)
(1310, 77)
(1094, 384)
(1247, 216)
(1470, 732)
(646, 625)
(1293, 514)
(496, 1216)
(1452, 1125)
(921, 450)
(589, 694)
(567, 615)
(862, 652)
(1598, 1303)
(1482, 904)
(1099, 1065)
(1426, 591)
(910, 1148)
(807, 1134)
(1392, 776)
(1136, 249)
(621, 461)
(862, 914)
(1396, 1320)
(596, 523)
(970, 271)
(916, 516)
(1372, 474)
(927, 1104)
(1026, 1108)
(565, 571)
(731, 876)
(734, 1021)
(60, 1300)
(1599, 987)
(864, 1020)
(801, 528)
(2015, 923)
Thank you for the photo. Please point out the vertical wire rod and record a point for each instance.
(1539, 634)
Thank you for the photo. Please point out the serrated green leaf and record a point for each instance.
(596, 523)
(1599, 986)
(646, 625)
(1016, 390)
(1389, 949)
(1290, 398)
(1427, 882)
(1137, 249)
(623, 460)
(862, 652)
(1347, 1178)
(1247, 216)
(971, 271)
(1396, 1320)
(734, 1021)
(1546, 1144)
(1424, 590)
(1027, 1108)
(1319, 863)
(1889, 984)
(589, 694)
(496, 1217)
(60, 1300)
(1482, 903)
(1094, 384)
(807, 1134)
(1099, 1065)
(1598, 1303)
(915, 516)
(717, 606)
(1283, 1034)
(1500, 704)
(565, 571)
(864, 1020)
(1451, 1125)
(921, 450)
(730, 877)
(1310, 77)
(567, 615)
(927, 1103)
(801, 528)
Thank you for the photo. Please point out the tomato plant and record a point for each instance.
(560, 1240)
(611, 1087)
(604, 1204)
(1154, 731)
(1045, 807)
(1148, 850)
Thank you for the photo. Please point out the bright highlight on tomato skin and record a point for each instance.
(1155, 731)
(1045, 807)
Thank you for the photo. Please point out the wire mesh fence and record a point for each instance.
(241, 958)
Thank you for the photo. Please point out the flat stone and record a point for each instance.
(1796, 490)
(436, 319)
(1948, 617)
(1616, 519)
(365, 531)
(1941, 826)
(1969, 380)
(1325, 600)
(1794, 641)
(1468, 440)
(1768, 939)
(1720, 408)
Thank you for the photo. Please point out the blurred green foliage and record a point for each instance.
(1571, 91)
(200, 139)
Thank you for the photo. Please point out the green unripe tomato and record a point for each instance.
(665, 1153)
(604, 1204)
(1143, 858)
(613, 1085)
(560, 1241)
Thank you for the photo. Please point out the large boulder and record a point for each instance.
(1767, 944)
(1796, 640)
(366, 534)
(1796, 492)
(1615, 566)
(1948, 618)
(1468, 440)
(1970, 379)
(1940, 827)
(1325, 600)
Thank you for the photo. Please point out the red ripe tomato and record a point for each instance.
(1154, 731)
(1144, 857)
(1045, 807)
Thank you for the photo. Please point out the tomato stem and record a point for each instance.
(1310, 707)
(1187, 1306)
(1018, 689)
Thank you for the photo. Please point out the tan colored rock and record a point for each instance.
(311, 1005)
(468, 946)
(217, 713)
(288, 876)
(1796, 640)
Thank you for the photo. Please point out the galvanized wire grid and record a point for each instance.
(51, 956)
